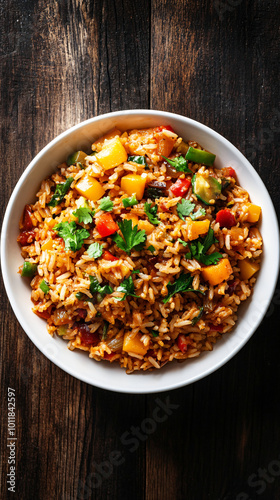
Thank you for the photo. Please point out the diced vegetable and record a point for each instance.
(132, 217)
(155, 189)
(47, 245)
(133, 184)
(129, 202)
(180, 187)
(90, 188)
(165, 145)
(206, 188)
(87, 337)
(229, 172)
(199, 156)
(183, 148)
(78, 156)
(108, 256)
(196, 228)
(62, 330)
(134, 344)
(226, 218)
(253, 213)
(146, 226)
(106, 137)
(247, 268)
(112, 154)
(106, 225)
(183, 342)
(26, 237)
(29, 269)
(26, 219)
(44, 286)
(217, 273)
(140, 160)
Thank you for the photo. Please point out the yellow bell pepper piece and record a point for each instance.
(247, 268)
(196, 228)
(47, 245)
(132, 217)
(98, 145)
(112, 154)
(215, 274)
(133, 184)
(134, 344)
(253, 212)
(146, 225)
(90, 188)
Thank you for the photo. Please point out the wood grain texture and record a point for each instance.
(67, 60)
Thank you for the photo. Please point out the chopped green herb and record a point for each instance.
(199, 213)
(183, 242)
(44, 286)
(95, 250)
(83, 296)
(199, 247)
(154, 333)
(129, 202)
(185, 208)
(180, 164)
(105, 329)
(60, 191)
(106, 204)
(95, 287)
(127, 288)
(72, 236)
(151, 212)
(182, 284)
(197, 318)
(154, 192)
(84, 215)
(29, 269)
(135, 271)
(141, 160)
(132, 238)
(151, 248)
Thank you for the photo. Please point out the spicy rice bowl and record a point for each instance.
(144, 303)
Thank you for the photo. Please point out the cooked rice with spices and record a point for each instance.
(141, 251)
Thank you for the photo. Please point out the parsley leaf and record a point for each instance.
(184, 243)
(95, 250)
(129, 202)
(84, 214)
(83, 296)
(154, 333)
(182, 284)
(151, 248)
(126, 287)
(151, 212)
(60, 191)
(185, 208)
(141, 160)
(132, 238)
(179, 163)
(106, 204)
(197, 318)
(95, 287)
(198, 249)
(72, 236)
(199, 213)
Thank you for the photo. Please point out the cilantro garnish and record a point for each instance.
(84, 214)
(151, 212)
(72, 236)
(132, 238)
(106, 204)
(95, 287)
(179, 163)
(154, 333)
(151, 248)
(83, 296)
(44, 286)
(198, 249)
(185, 208)
(197, 318)
(182, 284)
(199, 213)
(141, 160)
(127, 288)
(95, 250)
(129, 202)
(105, 329)
(60, 191)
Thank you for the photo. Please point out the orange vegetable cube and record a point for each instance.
(134, 344)
(132, 217)
(47, 245)
(247, 268)
(253, 212)
(146, 226)
(112, 154)
(217, 273)
(133, 184)
(165, 146)
(97, 145)
(90, 188)
(196, 228)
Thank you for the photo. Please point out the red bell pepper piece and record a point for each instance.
(87, 337)
(108, 256)
(109, 356)
(26, 223)
(180, 187)
(106, 225)
(164, 127)
(183, 342)
(226, 218)
(229, 172)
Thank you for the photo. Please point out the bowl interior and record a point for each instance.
(104, 374)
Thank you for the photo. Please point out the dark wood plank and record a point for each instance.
(63, 62)
(221, 68)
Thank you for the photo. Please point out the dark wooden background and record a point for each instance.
(215, 61)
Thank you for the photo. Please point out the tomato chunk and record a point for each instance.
(26, 223)
(106, 225)
(26, 237)
(226, 218)
(183, 342)
(216, 328)
(163, 127)
(229, 172)
(108, 256)
(87, 337)
(109, 356)
(180, 187)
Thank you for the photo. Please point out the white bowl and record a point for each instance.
(111, 376)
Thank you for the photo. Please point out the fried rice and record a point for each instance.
(169, 297)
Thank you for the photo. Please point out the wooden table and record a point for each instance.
(217, 62)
